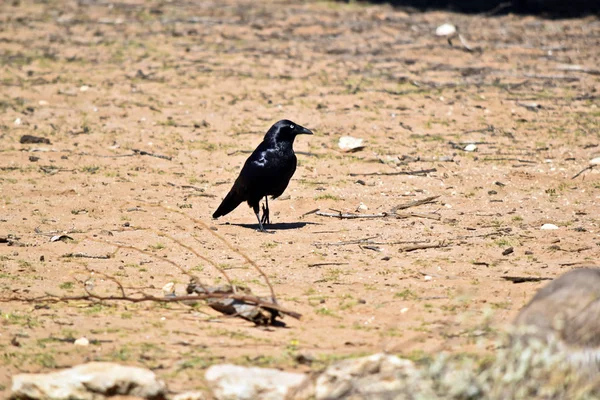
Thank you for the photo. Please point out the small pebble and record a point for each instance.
(82, 341)
(470, 147)
(547, 227)
(168, 288)
(445, 30)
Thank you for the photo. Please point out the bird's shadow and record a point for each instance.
(280, 226)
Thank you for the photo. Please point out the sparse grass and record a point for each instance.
(406, 294)
(66, 285)
(327, 196)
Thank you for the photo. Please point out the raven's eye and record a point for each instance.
(292, 126)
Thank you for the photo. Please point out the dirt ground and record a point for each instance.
(199, 83)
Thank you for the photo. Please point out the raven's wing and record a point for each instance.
(267, 172)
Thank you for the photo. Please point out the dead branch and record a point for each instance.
(142, 297)
(433, 216)
(415, 203)
(521, 279)
(84, 255)
(422, 172)
(145, 153)
(326, 263)
(392, 213)
(341, 215)
(438, 245)
(588, 168)
(373, 248)
(508, 159)
(309, 212)
(222, 239)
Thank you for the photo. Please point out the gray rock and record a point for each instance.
(92, 381)
(379, 376)
(234, 382)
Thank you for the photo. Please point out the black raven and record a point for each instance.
(266, 172)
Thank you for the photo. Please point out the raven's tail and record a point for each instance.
(229, 203)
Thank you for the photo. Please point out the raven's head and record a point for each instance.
(286, 131)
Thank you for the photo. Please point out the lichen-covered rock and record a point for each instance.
(380, 376)
(568, 308)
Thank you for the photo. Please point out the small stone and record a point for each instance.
(169, 288)
(362, 207)
(445, 30)
(18, 121)
(508, 251)
(595, 161)
(350, 144)
(82, 341)
(547, 227)
(470, 147)
(428, 278)
(84, 88)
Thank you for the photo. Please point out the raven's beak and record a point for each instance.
(300, 130)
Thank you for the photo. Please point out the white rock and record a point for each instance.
(445, 30)
(428, 278)
(234, 382)
(18, 121)
(471, 147)
(349, 143)
(84, 88)
(43, 103)
(169, 288)
(189, 396)
(362, 207)
(82, 341)
(90, 381)
(595, 160)
(547, 227)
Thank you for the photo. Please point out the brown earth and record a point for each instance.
(201, 83)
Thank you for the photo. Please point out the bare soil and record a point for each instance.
(199, 83)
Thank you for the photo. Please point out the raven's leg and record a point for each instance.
(256, 210)
(265, 218)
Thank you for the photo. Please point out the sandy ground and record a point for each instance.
(200, 83)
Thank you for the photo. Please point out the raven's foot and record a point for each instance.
(261, 228)
(265, 217)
